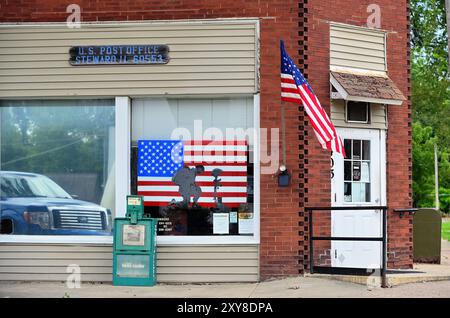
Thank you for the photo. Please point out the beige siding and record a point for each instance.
(377, 116)
(211, 57)
(182, 263)
(357, 47)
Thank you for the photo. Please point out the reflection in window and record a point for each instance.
(58, 155)
(210, 192)
(357, 171)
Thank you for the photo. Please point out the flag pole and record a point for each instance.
(283, 134)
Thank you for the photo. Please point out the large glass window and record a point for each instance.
(192, 160)
(57, 167)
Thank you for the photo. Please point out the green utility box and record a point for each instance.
(427, 236)
(134, 261)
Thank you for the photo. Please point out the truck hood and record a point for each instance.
(52, 202)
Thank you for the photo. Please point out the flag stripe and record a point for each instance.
(215, 142)
(203, 204)
(215, 148)
(203, 194)
(173, 187)
(295, 88)
(165, 158)
(200, 184)
(178, 198)
(217, 153)
(199, 178)
(213, 159)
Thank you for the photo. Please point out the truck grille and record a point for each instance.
(73, 219)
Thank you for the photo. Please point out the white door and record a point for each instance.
(358, 180)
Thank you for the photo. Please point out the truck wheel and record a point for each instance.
(6, 227)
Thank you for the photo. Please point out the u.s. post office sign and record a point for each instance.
(119, 54)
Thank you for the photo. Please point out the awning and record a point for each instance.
(370, 88)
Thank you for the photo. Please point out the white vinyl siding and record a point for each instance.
(208, 57)
(177, 264)
(378, 115)
(357, 47)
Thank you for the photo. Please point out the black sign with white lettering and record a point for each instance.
(119, 54)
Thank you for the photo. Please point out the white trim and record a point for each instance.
(232, 239)
(385, 53)
(133, 23)
(256, 170)
(367, 121)
(56, 239)
(119, 112)
(123, 156)
(356, 27)
(357, 71)
(355, 133)
(396, 102)
(257, 55)
(383, 191)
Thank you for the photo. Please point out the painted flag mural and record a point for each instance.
(295, 88)
(160, 163)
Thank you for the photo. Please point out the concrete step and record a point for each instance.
(420, 273)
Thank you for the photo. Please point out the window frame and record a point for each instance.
(123, 188)
(67, 239)
(368, 108)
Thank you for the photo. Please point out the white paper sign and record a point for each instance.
(365, 172)
(245, 223)
(221, 223)
(233, 217)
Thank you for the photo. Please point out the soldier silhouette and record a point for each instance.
(185, 180)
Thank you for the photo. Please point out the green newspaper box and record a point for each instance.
(134, 259)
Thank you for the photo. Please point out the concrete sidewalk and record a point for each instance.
(419, 274)
(425, 280)
(298, 287)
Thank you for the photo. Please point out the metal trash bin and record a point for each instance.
(427, 236)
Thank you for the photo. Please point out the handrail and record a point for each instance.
(382, 239)
(406, 210)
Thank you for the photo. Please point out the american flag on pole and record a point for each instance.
(159, 160)
(295, 88)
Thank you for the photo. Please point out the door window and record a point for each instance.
(357, 178)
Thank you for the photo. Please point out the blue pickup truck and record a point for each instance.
(32, 204)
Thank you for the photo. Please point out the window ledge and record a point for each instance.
(108, 240)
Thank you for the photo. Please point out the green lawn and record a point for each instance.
(446, 230)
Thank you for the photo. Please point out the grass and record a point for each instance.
(446, 230)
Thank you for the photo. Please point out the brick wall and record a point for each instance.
(278, 19)
(394, 19)
(303, 26)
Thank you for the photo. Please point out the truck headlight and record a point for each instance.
(39, 218)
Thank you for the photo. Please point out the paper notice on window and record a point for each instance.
(365, 172)
(133, 235)
(221, 223)
(245, 223)
(233, 217)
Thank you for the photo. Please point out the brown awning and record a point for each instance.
(366, 88)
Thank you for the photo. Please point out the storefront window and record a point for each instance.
(57, 167)
(193, 163)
